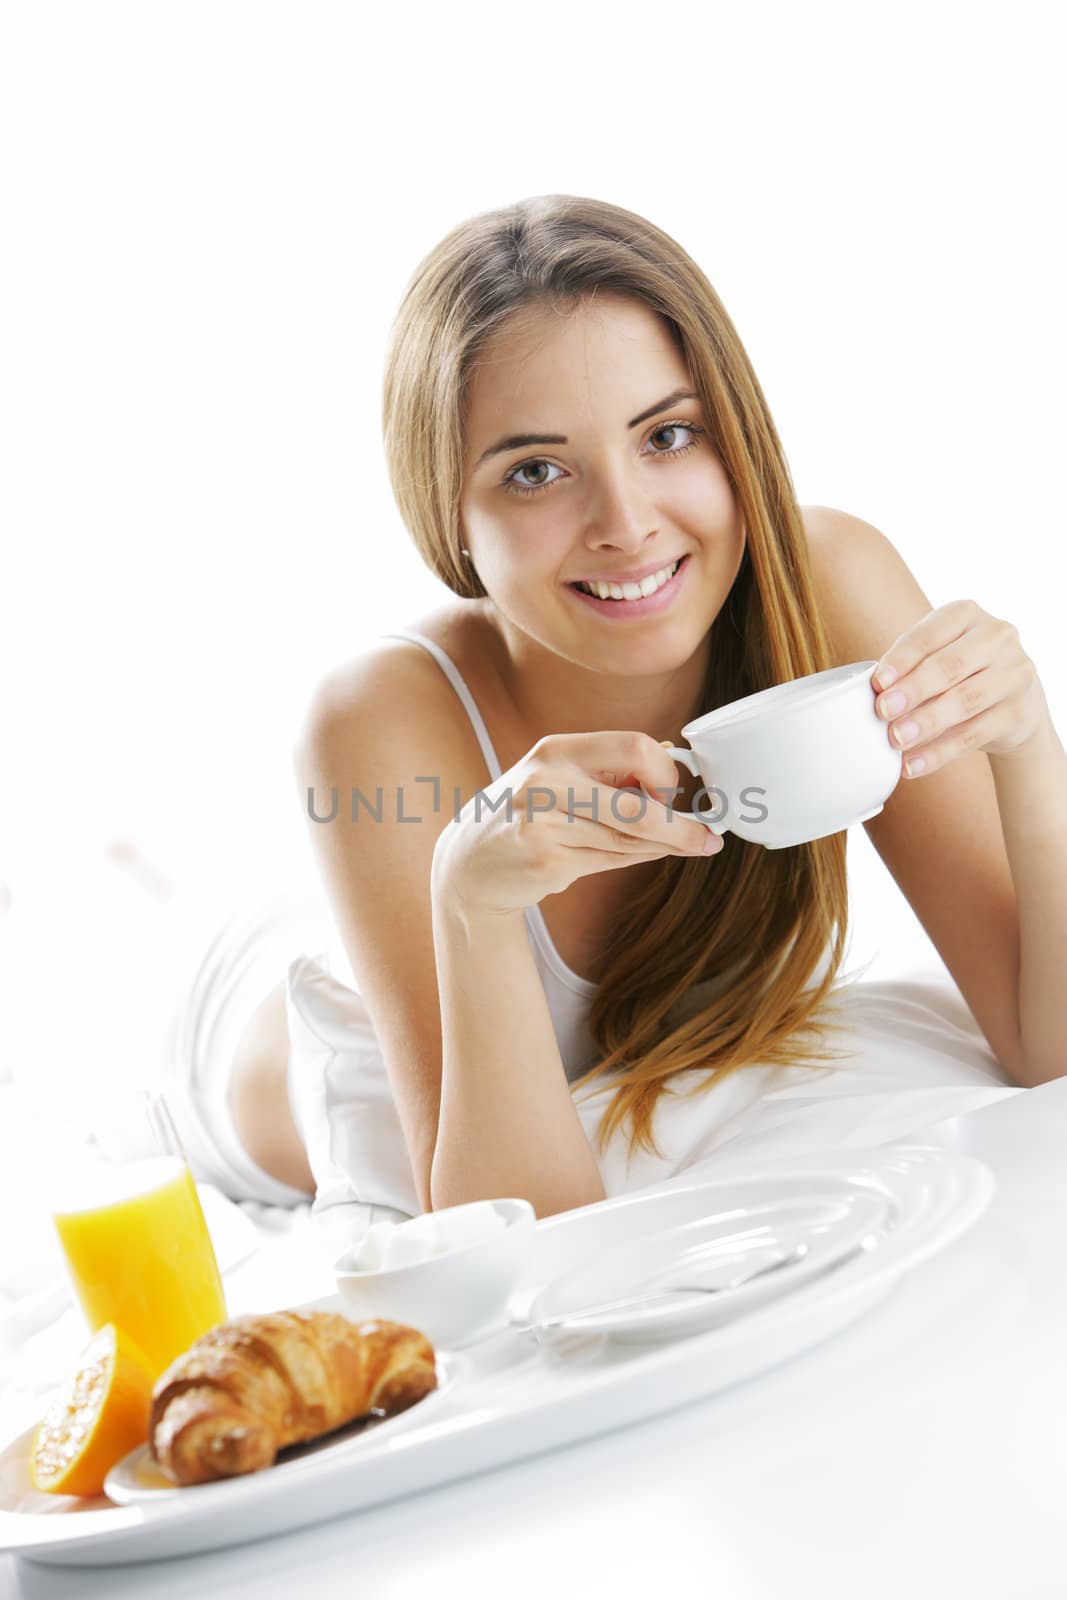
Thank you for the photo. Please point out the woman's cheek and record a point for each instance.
(545, 538)
(719, 525)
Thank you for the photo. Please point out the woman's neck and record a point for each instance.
(550, 694)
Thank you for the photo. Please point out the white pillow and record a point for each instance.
(343, 1105)
(917, 1056)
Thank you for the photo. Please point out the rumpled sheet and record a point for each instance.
(915, 1055)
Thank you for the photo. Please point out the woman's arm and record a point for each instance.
(1031, 785)
(964, 684)
(507, 1123)
(977, 837)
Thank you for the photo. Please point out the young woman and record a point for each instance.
(567, 405)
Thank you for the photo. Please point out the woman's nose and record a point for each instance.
(621, 516)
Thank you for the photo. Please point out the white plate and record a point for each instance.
(136, 1479)
(831, 1217)
(519, 1397)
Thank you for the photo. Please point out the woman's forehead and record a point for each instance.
(544, 323)
(605, 341)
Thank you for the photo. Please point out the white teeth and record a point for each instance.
(632, 591)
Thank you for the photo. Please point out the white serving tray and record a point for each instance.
(510, 1395)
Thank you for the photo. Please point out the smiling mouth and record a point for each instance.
(668, 574)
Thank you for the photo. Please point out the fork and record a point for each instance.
(744, 1275)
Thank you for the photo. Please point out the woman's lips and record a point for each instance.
(648, 605)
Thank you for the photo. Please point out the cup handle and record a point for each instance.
(688, 759)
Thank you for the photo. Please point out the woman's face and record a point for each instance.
(586, 457)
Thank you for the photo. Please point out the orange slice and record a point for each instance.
(100, 1416)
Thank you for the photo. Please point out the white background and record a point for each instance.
(211, 211)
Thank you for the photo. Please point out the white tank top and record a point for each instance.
(568, 995)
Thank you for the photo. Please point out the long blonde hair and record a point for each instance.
(760, 918)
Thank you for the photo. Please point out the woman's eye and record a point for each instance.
(673, 427)
(514, 486)
(512, 480)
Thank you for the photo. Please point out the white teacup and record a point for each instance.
(794, 762)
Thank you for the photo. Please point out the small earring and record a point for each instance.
(467, 554)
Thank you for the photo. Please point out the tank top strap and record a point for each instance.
(455, 678)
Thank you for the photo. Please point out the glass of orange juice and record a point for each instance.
(134, 1237)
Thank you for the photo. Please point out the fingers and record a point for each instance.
(625, 782)
(603, 861)
(612, 757)
(581, 833)
(646, 817)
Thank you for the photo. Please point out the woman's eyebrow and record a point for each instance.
(520, 441)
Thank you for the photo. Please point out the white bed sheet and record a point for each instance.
(923, 1058)
(914, 1054)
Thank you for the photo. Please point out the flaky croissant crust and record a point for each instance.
(255, 1384)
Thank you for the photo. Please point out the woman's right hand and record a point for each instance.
(565, 810)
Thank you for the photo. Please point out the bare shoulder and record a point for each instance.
(383, 680)
(866, 591)
(839, 537)
(390, 704)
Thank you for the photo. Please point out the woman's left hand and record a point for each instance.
(964, 683)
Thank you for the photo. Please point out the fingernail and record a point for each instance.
(712, 844)
(884, 676)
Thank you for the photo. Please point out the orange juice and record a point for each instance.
(140, 1256)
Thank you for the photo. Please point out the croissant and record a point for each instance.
(255, 1384)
